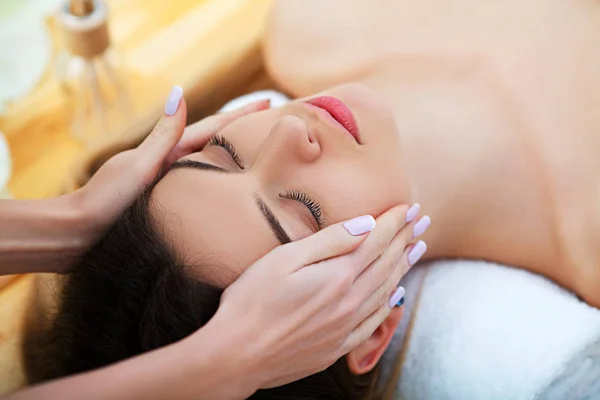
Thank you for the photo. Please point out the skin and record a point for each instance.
(496, 105)
(213, 217)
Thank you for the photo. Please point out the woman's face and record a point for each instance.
(298, 171)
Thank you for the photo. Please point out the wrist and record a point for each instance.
(40, 235)
(233, 369)
(80, 220)
(71, 236)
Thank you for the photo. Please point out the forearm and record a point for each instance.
(207, 370)
(40, 235)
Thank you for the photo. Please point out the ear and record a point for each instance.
(364, 357)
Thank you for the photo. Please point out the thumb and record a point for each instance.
(333, 241)
(168, 130)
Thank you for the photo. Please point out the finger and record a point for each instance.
(385, 293)
(372, 287)
(168, 131)
(335, 240)
(365, 329)
(196, 135)
(388, 225)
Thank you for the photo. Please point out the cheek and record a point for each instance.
(356, 190)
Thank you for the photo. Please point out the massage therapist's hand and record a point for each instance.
(123, 177)
(307, 303)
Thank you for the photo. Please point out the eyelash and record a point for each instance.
(220, 141)
(312, 205)
(309, 202)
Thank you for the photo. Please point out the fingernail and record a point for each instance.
(401, 302)
(397, 296)
(421, 226)
(416, 252)
(359, 225)
(173, 100)
(412, 212)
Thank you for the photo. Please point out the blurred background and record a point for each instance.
(81, 79)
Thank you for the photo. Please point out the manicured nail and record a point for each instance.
(401, 302)
(359, 225)
(416, 252)
(412, 212)
(421, 226)
(397, 296)
(173, 100)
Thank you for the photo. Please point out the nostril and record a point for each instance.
(312, 137)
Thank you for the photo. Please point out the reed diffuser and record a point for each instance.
(88, 71)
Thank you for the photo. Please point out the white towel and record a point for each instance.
(277, 99)
(481, 331)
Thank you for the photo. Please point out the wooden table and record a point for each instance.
(209, 47)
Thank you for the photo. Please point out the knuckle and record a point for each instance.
(213, 123)
(382, 296)
(380, 244)
(388, 265)
(161, 128)
(330, 241)
(396, 275)
(406, 234)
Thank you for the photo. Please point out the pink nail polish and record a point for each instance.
(173, 100)
(397, 296)
(416, 252)
(360, 225)
(421, 226)
(412, 212)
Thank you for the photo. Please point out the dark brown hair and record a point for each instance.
(130, 294)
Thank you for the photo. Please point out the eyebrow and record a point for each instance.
(192, 164)
(274, 223)
(272, 220)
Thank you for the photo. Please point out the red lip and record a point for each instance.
(339, 111)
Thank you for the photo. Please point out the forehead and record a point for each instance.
(211, 221)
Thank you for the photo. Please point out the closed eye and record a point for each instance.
(313, 206)
(221, 141)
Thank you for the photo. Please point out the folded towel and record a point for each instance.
(484, 331)
(277, 99)
(481, 331)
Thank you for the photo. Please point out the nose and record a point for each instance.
(290, 145)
